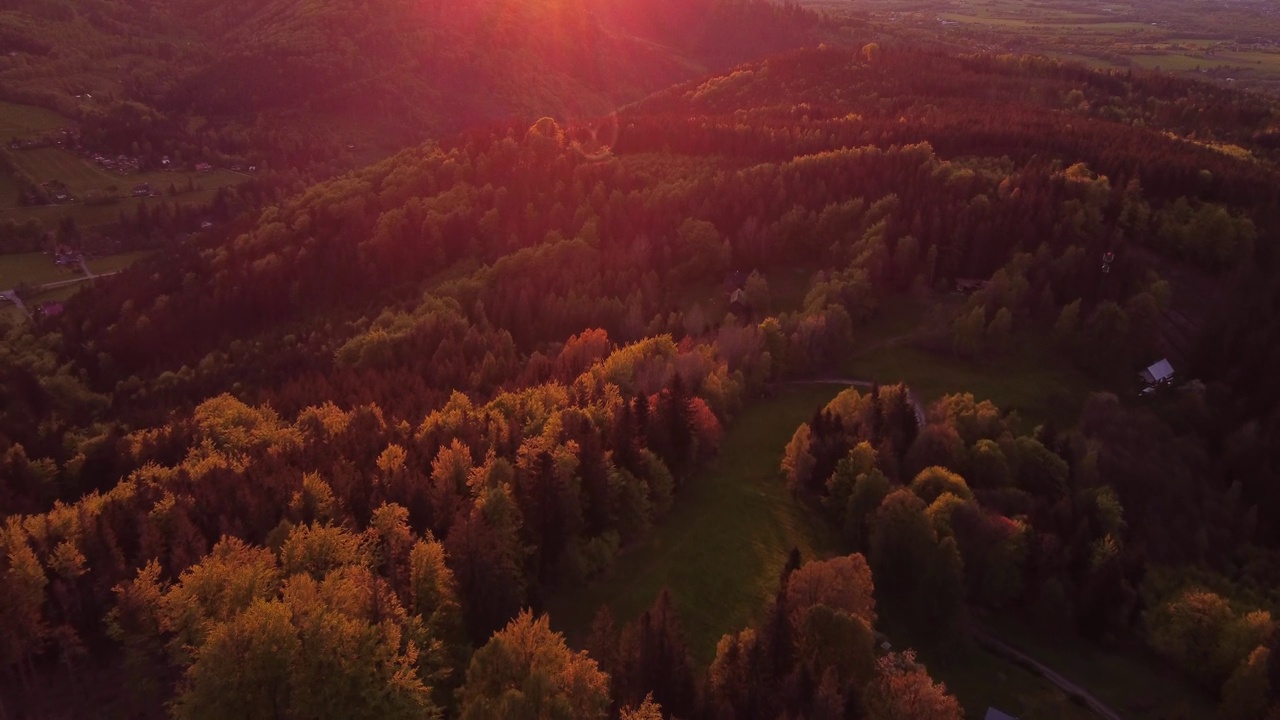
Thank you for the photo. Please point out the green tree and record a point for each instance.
(967, 333)
(869, 492)
(1247, 692)
(832, 639)
(797, 462)
(526, 672)
(934, 481)
(1000, 331)
(242, 668)
(902, 542)
(1066, 330)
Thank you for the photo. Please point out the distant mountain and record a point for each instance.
(412, 69)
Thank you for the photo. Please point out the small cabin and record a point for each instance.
(1156, 374)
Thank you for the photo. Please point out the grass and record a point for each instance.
(722, 548)
(33, 268)
(1032, 379)
(60, 294)
(1130, 683)
(980, 680)
(83, 176)
(115, 263)
(25, 121)
(45, 164)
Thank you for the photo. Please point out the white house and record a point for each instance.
(1158, 373)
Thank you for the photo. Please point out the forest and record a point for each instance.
(333, 461)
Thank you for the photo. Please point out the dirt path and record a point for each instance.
(12, 295)
(1074, 691)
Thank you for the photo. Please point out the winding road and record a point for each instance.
(1077, 694)
(12, 295)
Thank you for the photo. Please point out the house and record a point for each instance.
(206, 225)
(50, 309)
(165, 161)
(969, 286)
(143, 190)
(203, 167)
(994, 714)
(1160, 373)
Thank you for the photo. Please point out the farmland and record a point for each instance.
(31, 268)
(27, 121)
(1234, 44)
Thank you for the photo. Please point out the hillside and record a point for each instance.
(389, 67)
(411, 400)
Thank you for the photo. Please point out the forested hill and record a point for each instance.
(386, 414)
(377, 72)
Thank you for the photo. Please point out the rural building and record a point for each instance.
(969, 285)
(1159, 373)
(143, 190)
(50, 309)
(203, 167)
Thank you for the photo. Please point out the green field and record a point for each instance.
(82, 175)
(32, 268)
(51, 163)
(1180, 36)
(1031, 380)
(722, 548)
(25, 121)
(114, 263)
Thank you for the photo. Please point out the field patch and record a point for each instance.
(26, 121)
(31, 268)
(115, 263)
(55, 164)
(1032, 380)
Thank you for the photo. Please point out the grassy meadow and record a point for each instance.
(721, 549)
(26, 121)
(31, 268)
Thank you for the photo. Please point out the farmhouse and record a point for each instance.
(203, 167)
(143, 190)
(1160, 373)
